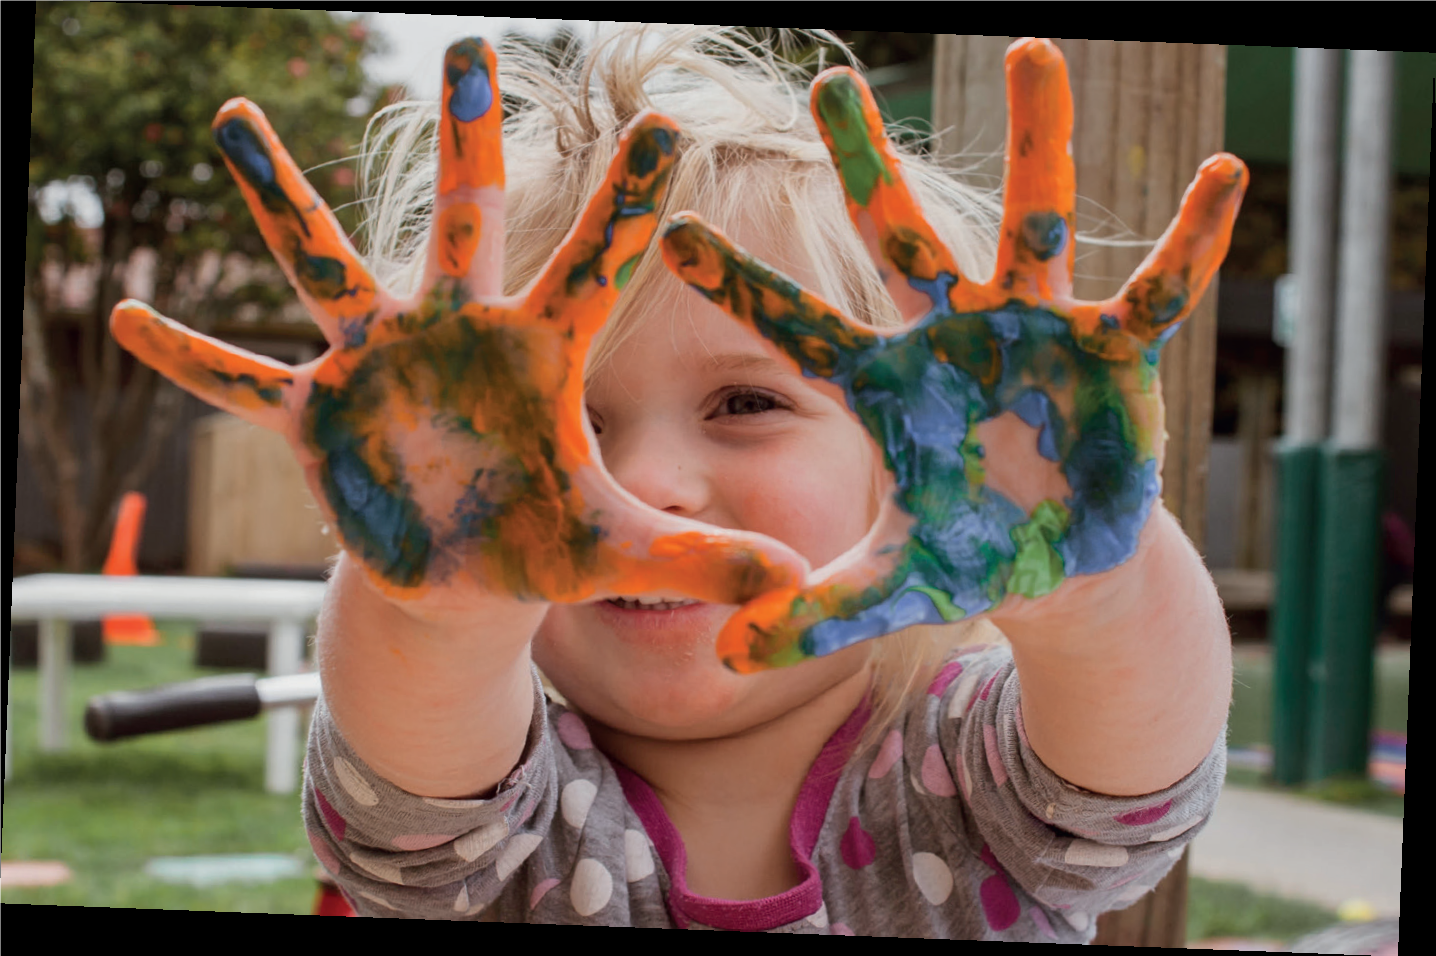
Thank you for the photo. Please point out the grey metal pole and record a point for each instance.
(1317, 95)
(1313, 242)
(1365, 243)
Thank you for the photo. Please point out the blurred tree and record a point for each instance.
(121, 102)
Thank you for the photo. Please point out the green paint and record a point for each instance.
(859, 162)
(1038, 569)
(271, 394)
(941, 601)
(625, 271)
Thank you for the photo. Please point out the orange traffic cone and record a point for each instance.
(128, 628)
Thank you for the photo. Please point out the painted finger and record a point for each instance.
(580, 284)
(1035, 253)
(867, 593)
(468, 235)
(1171, 280)
(243, 384)
(818, 338)
(917, 267)
(305, 238)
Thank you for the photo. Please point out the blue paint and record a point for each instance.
(473, 94)
(1045, 234)
(1110, 321)
(250, 154)
(937, 290)
(1103, 536)
(1035, 408)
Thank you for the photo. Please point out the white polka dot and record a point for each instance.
(932, 876)
(1087, 853)
(637, 857)
(377, 866)
(592, 887)
(1051, 809)
(962, 697)
(473, 845)
(1175, 853)
(916, 783)
(515, 853)
(461, 902)
(1175, 831)
(353, 783)
(820, 918)
(378, 899)
(1077, 920)
(577, 798)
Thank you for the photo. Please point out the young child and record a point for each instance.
(935, 781)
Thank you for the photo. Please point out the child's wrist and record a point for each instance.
(431, 608)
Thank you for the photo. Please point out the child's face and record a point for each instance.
(696, 417)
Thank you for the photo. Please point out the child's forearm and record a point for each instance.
(438, 710)
(1126, 678)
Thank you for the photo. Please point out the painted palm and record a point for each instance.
(445, 435)
(1023, 429)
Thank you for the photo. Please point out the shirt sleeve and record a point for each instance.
(1075, 852)
(397, 854)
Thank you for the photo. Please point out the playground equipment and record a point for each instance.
(209, 700)
(124, 549)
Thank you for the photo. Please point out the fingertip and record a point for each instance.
(1038, 51)
(234, 108)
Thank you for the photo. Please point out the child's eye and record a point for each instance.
(747, 402)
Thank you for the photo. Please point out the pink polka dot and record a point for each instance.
(1040, 918)
(999, 904)
(540, 891)
(934, 773)
(326, 856)
(988, 686)
(1143, 815)
(573, 733)
(841, 929)
(421, 841)
(332, 819)
(944, 678)
(994, 760)
(888, 755)
(857, 846)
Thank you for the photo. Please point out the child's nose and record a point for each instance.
(657, 468)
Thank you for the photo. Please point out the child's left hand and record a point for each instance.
(1023, 429)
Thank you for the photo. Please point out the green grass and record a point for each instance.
(1217, 909)
(105, 809)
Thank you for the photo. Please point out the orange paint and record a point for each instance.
(458, 238)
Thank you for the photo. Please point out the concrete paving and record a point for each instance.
(1302, 849)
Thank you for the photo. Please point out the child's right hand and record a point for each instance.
(445, 436)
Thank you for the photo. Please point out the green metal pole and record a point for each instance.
(1293, 619)
(1352, 493)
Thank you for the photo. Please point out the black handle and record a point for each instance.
(208, 700)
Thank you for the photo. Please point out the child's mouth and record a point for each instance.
(663, 603)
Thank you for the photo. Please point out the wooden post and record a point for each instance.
(1146, 116)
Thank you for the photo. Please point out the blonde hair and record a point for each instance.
(749, 152)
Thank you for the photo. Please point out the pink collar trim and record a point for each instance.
(754, 916)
